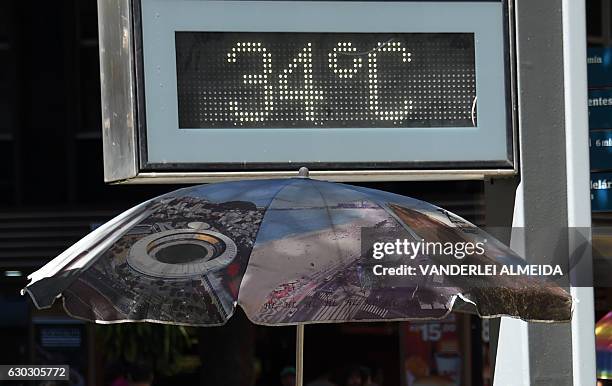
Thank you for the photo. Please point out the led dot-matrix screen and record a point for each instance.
(325, 80)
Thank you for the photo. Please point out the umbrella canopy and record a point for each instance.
(288, 251)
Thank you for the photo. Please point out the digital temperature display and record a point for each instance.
(325, 80)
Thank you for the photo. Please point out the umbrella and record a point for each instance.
(288, 251)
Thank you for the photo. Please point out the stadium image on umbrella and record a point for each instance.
(288, 251)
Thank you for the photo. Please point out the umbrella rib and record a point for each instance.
(93, 242)
(331, 221)
(339, 309)
(287, 183)
(384, 206)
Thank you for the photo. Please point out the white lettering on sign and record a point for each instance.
(601, 184)
(393, 115)
(257, 79)
(599, 102)
(345, 48)
(594, 59)
(308, 94)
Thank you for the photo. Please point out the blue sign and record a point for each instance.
(600, 144)
(600, 109)
(599, 63)
(601, 192)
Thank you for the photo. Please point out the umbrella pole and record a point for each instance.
(299, 355)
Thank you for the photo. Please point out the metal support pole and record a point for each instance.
(499, 210)
(512, 360)
(553, 196)
(578, 195)
(299, 355)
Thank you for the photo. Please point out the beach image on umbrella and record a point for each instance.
(288, 251)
